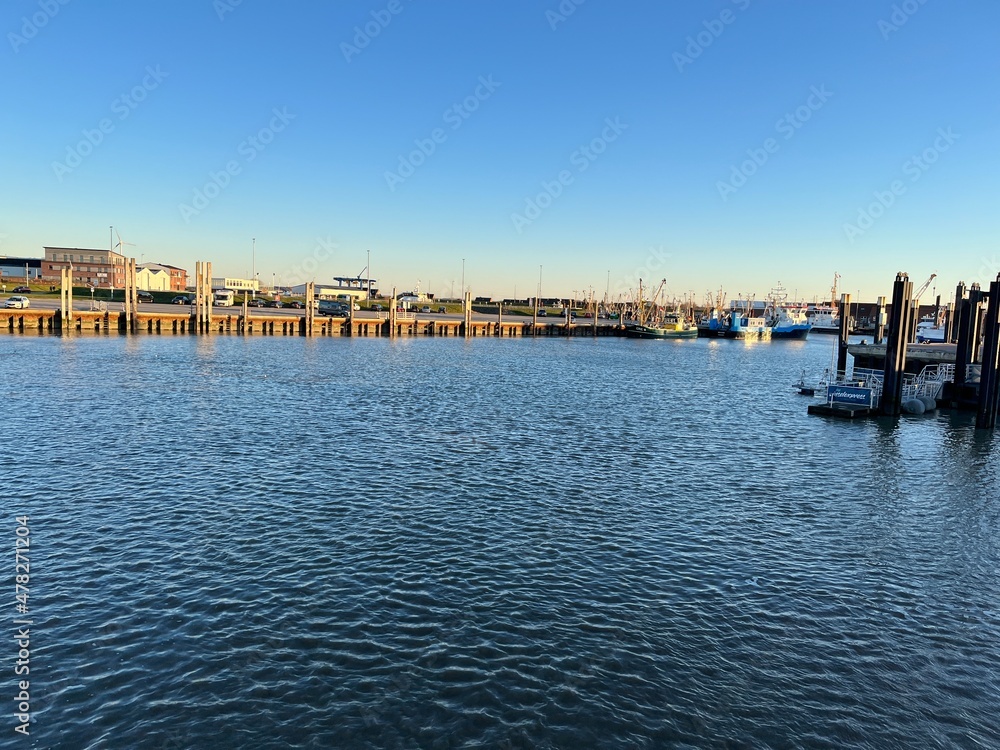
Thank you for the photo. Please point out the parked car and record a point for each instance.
(425, 309)
(256, 303)
(296, 304)
(17, 302)
(181, 299)
(442, 309)
(144, 296)
(542, 313)
(276, 303)
(22, 290)
(376, 308)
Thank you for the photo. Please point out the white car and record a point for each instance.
(18, 302)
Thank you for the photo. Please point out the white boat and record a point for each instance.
(930, 329)
(788, 319)
(823, 318)
(826, 318)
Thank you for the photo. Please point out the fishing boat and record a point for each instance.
(789, 320)
(745, 319)
(650, 325)
(673, 326)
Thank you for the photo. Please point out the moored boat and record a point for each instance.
(650, 323)
(788, 320)
(932, 329)
(823, 318)
(745, 319)
(673, 326)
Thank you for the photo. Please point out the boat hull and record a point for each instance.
(647, 332)
(793, 334)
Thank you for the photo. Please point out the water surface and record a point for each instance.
(275, 542)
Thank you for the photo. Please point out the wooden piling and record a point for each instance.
(880, 321)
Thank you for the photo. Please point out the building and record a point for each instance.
(99, 268)
(159, 277)
(20, 269)
(354, 287)
(237, 285)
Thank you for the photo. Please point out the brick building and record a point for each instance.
(100, 268)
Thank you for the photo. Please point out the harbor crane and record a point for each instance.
(923, 287)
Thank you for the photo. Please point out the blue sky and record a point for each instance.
(731, 143)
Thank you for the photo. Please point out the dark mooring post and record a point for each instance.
(912, 320)
(895, 348)
(844, 333)
(955, 313)
(949, 321)
(880, 321)
(986, 413)
(968, 335)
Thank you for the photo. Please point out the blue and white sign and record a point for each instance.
(846, 394)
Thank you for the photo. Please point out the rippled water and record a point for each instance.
(341, 543)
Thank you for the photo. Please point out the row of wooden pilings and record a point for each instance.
(53, 321)
(975, 315)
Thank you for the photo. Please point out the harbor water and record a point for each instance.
(515, 543)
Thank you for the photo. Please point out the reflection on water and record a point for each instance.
(274, 542)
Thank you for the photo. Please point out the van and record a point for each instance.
(223, 297)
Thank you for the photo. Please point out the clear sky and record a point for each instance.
(721, 143)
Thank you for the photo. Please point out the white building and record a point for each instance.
(152, 277)
(237, 285)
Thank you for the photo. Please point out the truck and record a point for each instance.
(223, 297)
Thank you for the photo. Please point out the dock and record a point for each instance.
(183, 322)
(899, 376)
